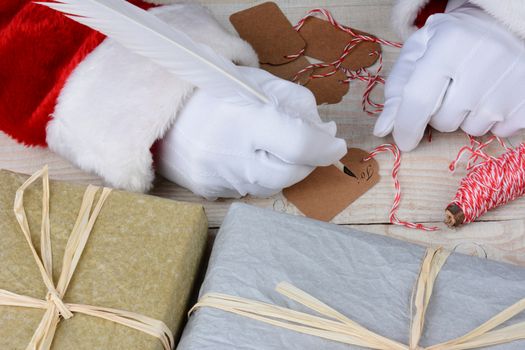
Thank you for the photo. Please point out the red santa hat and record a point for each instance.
(87, 98)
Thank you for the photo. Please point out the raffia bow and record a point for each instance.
(56, 308)
(337, 327)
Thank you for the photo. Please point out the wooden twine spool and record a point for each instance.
(490, 183)
(454, 215)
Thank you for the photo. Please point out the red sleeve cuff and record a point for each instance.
(432, 7)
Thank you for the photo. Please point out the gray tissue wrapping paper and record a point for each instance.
(368, 278)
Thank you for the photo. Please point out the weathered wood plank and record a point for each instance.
(496, 240)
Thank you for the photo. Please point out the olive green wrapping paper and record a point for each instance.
(142, 256)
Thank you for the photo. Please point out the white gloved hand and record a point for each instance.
(463, 69)
(219, 149)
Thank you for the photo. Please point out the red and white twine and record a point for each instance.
(339, 26)
(372, 80)
(394, 150)
(491, 182)
(297, 55)
(362, 74)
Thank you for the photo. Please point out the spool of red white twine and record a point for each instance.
(491, 182)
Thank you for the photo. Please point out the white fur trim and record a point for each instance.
(404, 13)
(116, 104)
(510, 12)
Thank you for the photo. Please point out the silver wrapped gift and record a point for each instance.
(366, 277)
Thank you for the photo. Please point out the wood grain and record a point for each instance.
(426, 182)
(495, 240)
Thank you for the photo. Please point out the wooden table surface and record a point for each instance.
(427, 185)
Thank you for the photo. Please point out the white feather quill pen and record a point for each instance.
(145, 34)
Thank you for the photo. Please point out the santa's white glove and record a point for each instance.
(221, 149)
(463, 69)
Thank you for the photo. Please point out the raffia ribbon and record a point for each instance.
(56, 308)
(337, 327)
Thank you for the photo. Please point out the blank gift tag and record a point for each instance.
(270, 33)
(329, 89)
(327, 191)
(326, 90)
(327, 43)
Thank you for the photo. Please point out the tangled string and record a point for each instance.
(372, 79)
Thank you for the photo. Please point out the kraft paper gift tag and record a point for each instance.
(326, 90)
(270, 33)
(274, 39)
(326, 43)
(327, 190)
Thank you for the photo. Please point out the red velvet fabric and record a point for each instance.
(433, 6)
(39, 49)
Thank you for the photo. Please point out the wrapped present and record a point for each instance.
(90, 268)
(276, 281)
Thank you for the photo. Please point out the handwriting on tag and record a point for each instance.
(327, 191)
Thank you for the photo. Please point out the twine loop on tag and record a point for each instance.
(297, 55)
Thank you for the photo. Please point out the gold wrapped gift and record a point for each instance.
(107, 271)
